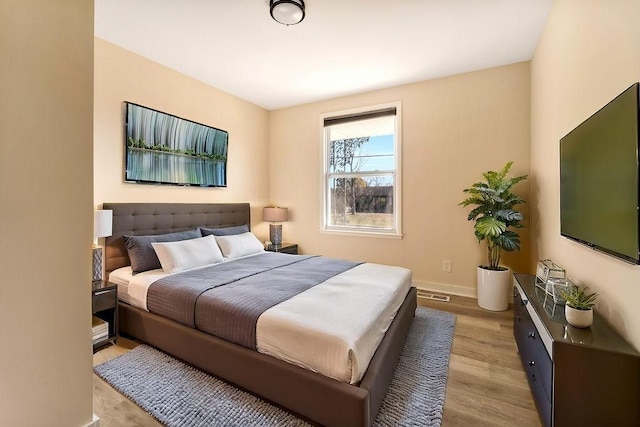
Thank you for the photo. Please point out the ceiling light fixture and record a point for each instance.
(287, 12)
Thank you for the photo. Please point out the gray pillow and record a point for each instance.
(141, 253)
(226, 231)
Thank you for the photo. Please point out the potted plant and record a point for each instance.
(578, 307)
(494, 215)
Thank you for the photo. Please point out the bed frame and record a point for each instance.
(312, 396)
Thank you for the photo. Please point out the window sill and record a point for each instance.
(359, 233)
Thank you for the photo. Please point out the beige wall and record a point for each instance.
(121, 76)
(453, 129)
(46, 220)
(588, 54)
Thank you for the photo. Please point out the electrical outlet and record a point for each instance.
(446, 266)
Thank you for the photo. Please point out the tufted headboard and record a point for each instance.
(159, 218)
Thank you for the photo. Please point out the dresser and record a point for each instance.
(584, 377)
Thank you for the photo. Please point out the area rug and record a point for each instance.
(177, 394)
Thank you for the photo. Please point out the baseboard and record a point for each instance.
(94, 423)
(446, 288)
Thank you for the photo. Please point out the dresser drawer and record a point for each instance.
(522, 324)
(533, 354)
(543, 403)
(539, 372)
(104, 299)
(540, 363)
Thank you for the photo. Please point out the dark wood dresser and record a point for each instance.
(587, 377)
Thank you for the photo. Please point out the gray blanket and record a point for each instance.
(226, 299)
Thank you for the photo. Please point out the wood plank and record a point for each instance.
(487, 385)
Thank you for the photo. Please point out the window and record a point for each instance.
(361, 180)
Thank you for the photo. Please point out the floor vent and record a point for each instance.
(432, 296)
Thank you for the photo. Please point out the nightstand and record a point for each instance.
(284, 248)
(104, 306)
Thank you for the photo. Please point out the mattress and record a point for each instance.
(121, 277)
(312, 329)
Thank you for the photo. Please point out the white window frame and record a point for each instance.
(396, 231)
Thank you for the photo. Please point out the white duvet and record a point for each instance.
(333, 328)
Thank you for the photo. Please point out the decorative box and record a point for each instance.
(553, 310)
(546, 270)
(557, 287)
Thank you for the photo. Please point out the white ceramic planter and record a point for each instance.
(578, 318)
(494, 288)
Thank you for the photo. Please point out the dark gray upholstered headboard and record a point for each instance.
(158, 218)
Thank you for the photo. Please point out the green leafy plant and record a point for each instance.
(141, 144)
(137, 144)
(579, 298)
(494, 213)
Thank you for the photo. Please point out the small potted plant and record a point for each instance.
(495, 215)
(579, 306)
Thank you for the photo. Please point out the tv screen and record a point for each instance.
(164, 149)
(599, 179)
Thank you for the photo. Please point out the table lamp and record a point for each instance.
(102, 221)
(274, 215)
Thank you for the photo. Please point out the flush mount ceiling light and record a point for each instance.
(287, 12)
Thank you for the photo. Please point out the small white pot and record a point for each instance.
(493, 288)
(578, 318)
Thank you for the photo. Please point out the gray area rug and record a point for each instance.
(177, 394)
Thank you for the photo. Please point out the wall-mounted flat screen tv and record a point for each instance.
(164, 149)
(599, 188)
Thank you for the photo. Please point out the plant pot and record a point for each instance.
(494, 288)
(578, 318)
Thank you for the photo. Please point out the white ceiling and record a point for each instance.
(342, 47)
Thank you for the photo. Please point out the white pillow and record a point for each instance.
(238, 245)
(186, 254)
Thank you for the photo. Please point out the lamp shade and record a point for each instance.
(102, 220)
(287, 12)
(274, 214)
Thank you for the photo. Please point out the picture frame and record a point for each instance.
(161, 148)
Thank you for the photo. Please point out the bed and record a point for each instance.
(316, 397)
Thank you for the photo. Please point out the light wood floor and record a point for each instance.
(486, 385)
